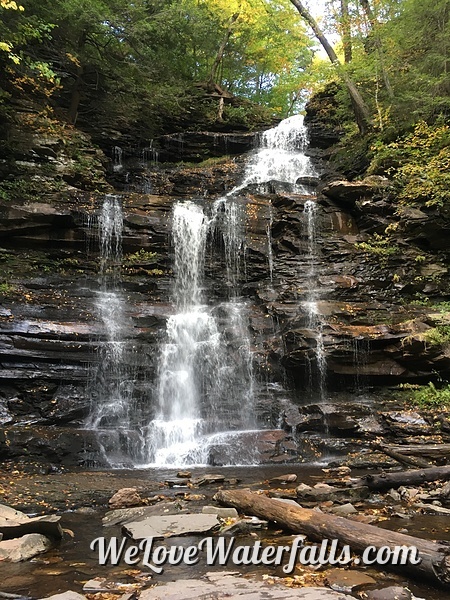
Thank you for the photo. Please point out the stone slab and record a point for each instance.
(229, 586)
(166, 526)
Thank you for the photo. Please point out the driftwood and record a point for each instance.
(401, 458)
(430, 450)
(386, 481)
(317, 526)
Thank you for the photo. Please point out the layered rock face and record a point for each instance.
(367, 334)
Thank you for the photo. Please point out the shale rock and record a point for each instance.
(230, 586)
(166, 526)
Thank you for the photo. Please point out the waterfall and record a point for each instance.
(203, 379)
(117, 159)
(111, 382)
(314, 318)
(280, 156)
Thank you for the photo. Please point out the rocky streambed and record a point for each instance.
(179, 509)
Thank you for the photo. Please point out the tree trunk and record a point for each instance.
(318, 526)
(401, 458)
(430, 450)
(379, 46)
(221, 51)
(362, 115)
(78, 84)
(385, 481)
(346, 31)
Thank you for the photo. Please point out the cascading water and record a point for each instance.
(314, 318)
(281, 155)
(200, 389)
(206, 386)
(111, 385)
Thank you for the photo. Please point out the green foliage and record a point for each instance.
(379, 246)
(141, 256)
(136, 64)
(6, 289)
(419, 164)
(430, 396)
(437, 336)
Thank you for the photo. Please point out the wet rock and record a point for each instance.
(184, 474)
(11, 514)
(432, 509)
(322, 492)
(229, 586)
(24, 548)
(48, 526)
(222, 513)
(288, 501)
(389, 593)
(123, 515)
(445, 492)
(348, 192)
(406, 423)
(244, 526)
(69, 595)
(308, 181)
(370, 460)
(195, 146)
(102, 584)
(344, 510)
(166, 526)
(288, 478)
(264, 446)
(208, 479)
(343, 580)
(177, 482)
(124, 498)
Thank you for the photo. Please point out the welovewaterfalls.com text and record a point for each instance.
(225, 551)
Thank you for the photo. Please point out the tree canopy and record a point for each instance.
(138, 62)
(141, 64)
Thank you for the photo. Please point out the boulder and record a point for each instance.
(125, 498)
(394, 592)
(221, 512)
(123, 515)
(23, 548)
(288, 478)
(323, 492)
(348, 192)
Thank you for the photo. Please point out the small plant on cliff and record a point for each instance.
(379, 246)
(429, 396)
(141, 256)
(6, 289)
(437, 336)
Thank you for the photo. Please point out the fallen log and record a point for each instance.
(401, 458)
(429, 450)
(317, 526)
(386, 481)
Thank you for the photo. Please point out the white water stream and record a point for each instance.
(206, 385)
